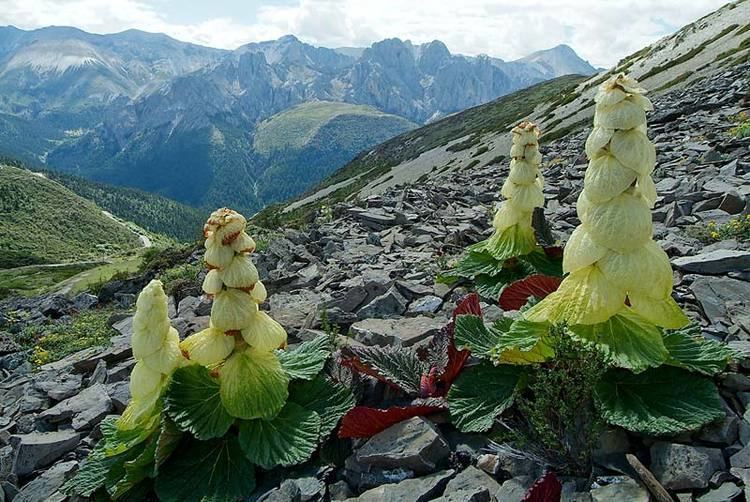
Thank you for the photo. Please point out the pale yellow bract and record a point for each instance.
(612, 261)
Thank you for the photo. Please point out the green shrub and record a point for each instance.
(737, 228)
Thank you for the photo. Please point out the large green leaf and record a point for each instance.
(253, 384)
(118, 440)
(627, 339)
(471, 333)
(289, 438)
(136, 470)
(307, 360)
(193, 401)
(328, 399)
(490, 286)
(524, 342)
(544, 264)
(476, 263)
(480, 394)
(690, 350)
(206, 471)
(664, 400)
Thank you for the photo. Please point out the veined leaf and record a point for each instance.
(471, 333)
(363, 421)
(629, 340)
(253, 384)
(690, 350)
(307, 360)
(524, 342)
(664, 400)
(475, 263)
(202, 471)
(545, 261)
(480, 394)
(491, 286)
(291, 437)
(328, 399)
(545, 489)
(193, 401)
(516, 294)
(397, 367)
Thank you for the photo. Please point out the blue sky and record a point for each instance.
(601, 31)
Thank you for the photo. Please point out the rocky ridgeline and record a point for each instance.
(370, 272)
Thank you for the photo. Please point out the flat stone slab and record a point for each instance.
(719, 261)
(403, 332)
(39, 449)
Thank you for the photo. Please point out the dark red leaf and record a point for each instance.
(516, 294)
(456, 360)
(363, 421)
(428, 385)
(469, 304)
(553, 251)
(545, 489)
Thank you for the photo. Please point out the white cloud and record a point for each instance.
(600, 31)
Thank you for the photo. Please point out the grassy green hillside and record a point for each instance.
(149, 211)
(495, 116)
(296, 127)
(41, 221)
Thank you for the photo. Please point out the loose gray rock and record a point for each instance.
(684, 467)
(627, 490)
(417, 489)
(472, 484)
(39, 449)
(726, 492)
(85, 409)
(413, 444)
(389, 304)
(403, 332)
(514, 489)
(46, 486)
(719, 261)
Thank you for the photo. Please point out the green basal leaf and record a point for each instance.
(328, 399)
(514, 241)
(136, 470)
(475, 263)
(471, 333)
(169, 438)
(490, 286)
(627, 339)
(524, 342)
(117, 441)
(659, 401)
(480, 394)
(288, 439)
(202, 471)
(193, 401)
(307, 360)
(543, 264)
(253, 384)
(690, 350)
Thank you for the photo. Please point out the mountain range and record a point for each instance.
(181, 120)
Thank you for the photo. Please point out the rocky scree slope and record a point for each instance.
(713, 43)
(369, 270)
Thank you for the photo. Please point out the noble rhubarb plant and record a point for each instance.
(209, 413)
(614, 306)
(512, 252)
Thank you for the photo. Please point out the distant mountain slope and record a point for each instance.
(709, 45)
(41, 221)
(149, 211)
(147, 111)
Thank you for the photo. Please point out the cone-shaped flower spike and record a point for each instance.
(240, 342)
(612, 261)
(157, 354)
(514, 235)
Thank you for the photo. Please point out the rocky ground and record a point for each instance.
(370, 273)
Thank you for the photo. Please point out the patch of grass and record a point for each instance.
(53, 342)
(742, 129)
(93, 279)
(471, 164)
(673, 82)
(465, 144)
(688, 55)
(482, 149)
(736, 228)
(564, 131)
(37, 279)
(495, 160)
(178, 277)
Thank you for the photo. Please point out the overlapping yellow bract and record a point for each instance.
(522, 190)
(611, 259)
(156, 351)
